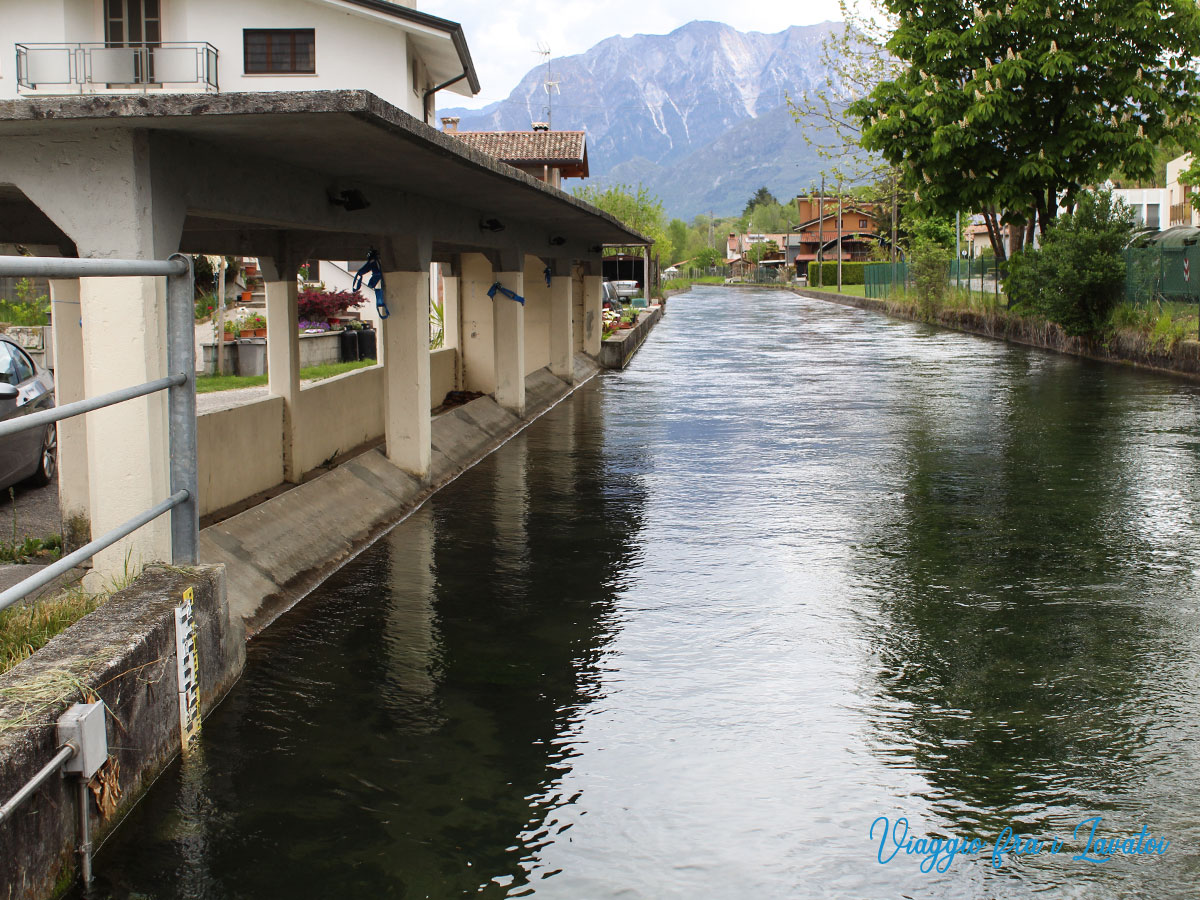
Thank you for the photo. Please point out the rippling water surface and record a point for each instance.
(698, 627)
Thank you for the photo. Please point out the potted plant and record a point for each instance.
(254, 325)
(231, 330)
(328, 306)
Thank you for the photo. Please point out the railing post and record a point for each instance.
(181, 414)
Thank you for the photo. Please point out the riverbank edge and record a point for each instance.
(278, 552)
(124, 655)
(617, 351)
(1183, 360)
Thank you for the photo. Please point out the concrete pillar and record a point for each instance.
(452, 320)
(508, 334)
(562, 339)
(283, 355)
(406, 404)
(593, 324)
(124, 328)
(476, 350)
(73, 497)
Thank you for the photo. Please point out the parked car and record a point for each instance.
(25, 388)
(609, 298)
(626, 290)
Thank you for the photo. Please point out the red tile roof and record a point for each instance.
(523, 148)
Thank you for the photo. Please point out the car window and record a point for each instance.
(9, 372)
(24, 364)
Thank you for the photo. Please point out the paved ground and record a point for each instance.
(35, 512)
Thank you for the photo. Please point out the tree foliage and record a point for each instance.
(762, 197)
(1077, 277)
(1009, 106)
(634, 207)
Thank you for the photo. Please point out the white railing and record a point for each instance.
(100, 67)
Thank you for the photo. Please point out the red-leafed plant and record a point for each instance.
(319, 305)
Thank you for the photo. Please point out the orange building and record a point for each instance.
(817, 232)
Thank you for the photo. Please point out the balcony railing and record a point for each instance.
(114, 68)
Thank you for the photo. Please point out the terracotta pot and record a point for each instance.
(247, 296)
(260, 332)
(230, 336)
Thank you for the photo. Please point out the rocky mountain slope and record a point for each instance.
(699, 115)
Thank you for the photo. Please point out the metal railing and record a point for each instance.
(115, 67)
(180, 386)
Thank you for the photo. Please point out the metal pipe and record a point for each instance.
(31, 786)
(58, 413)
(181, 415)
(87, 551)
(85, 834)
(60, 267)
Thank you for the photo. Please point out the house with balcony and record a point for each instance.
(817, 234)
(117, 47)
(1181, 200)
(283, 131)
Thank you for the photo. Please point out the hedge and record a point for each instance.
(852, 273)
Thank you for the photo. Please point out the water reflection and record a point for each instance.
(423, 703)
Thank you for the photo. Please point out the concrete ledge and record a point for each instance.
(618, 350)
(280, 550)
(123, 654)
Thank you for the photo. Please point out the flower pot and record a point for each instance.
(230, 336)
(260, 332)
(247, 296)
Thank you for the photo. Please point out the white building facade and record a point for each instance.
(72, 47)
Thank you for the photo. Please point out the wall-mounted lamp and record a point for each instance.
(491, 225)
(351, 200)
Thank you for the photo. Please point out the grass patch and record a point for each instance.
(31, 550)
(27, 628)
(207, 384)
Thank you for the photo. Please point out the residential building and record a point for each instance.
(817, 233)
(1151, 206)
(91, 47)
(549, 156)
(1181, 199)
(308, 142)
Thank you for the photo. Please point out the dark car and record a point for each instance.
(25, 387)
(609, 298)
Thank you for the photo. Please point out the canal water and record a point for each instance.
(712, 626)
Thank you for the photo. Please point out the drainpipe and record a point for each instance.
(433, 90)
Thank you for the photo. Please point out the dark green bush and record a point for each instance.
(852, 273)
(1077, 278)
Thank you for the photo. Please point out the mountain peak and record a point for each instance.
(680, 112)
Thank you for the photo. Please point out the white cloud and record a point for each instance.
(504, 36)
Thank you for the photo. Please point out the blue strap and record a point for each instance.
(375, 282)
(547, 274)
(511, 295)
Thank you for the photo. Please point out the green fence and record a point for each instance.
(1162, 275)
(878, 279)
(979, 277)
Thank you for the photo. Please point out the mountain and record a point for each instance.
(698, 115)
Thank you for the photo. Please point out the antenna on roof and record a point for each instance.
(549, 85)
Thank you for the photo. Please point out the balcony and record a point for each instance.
(115, 69)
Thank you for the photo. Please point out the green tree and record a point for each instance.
(760, 251)
(1077, 278)
(677, 234)
(761, 197)
(1011, 106)
(634, 207)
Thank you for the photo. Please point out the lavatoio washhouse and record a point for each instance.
(369, 528)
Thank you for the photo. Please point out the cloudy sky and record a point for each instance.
(504, 34)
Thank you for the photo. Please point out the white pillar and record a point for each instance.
(562, 361)
(123, 329)
(406, 404)
(452, 322)
(593, 324)
(283, 359)
(508, 334)
(73, 499)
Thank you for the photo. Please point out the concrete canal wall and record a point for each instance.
(1183, 359)
(278, 551)
(618, 350)
(124, 655)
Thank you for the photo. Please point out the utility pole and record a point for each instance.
(220, 325)
(821, 235)
(895, 183)
(839, 236)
